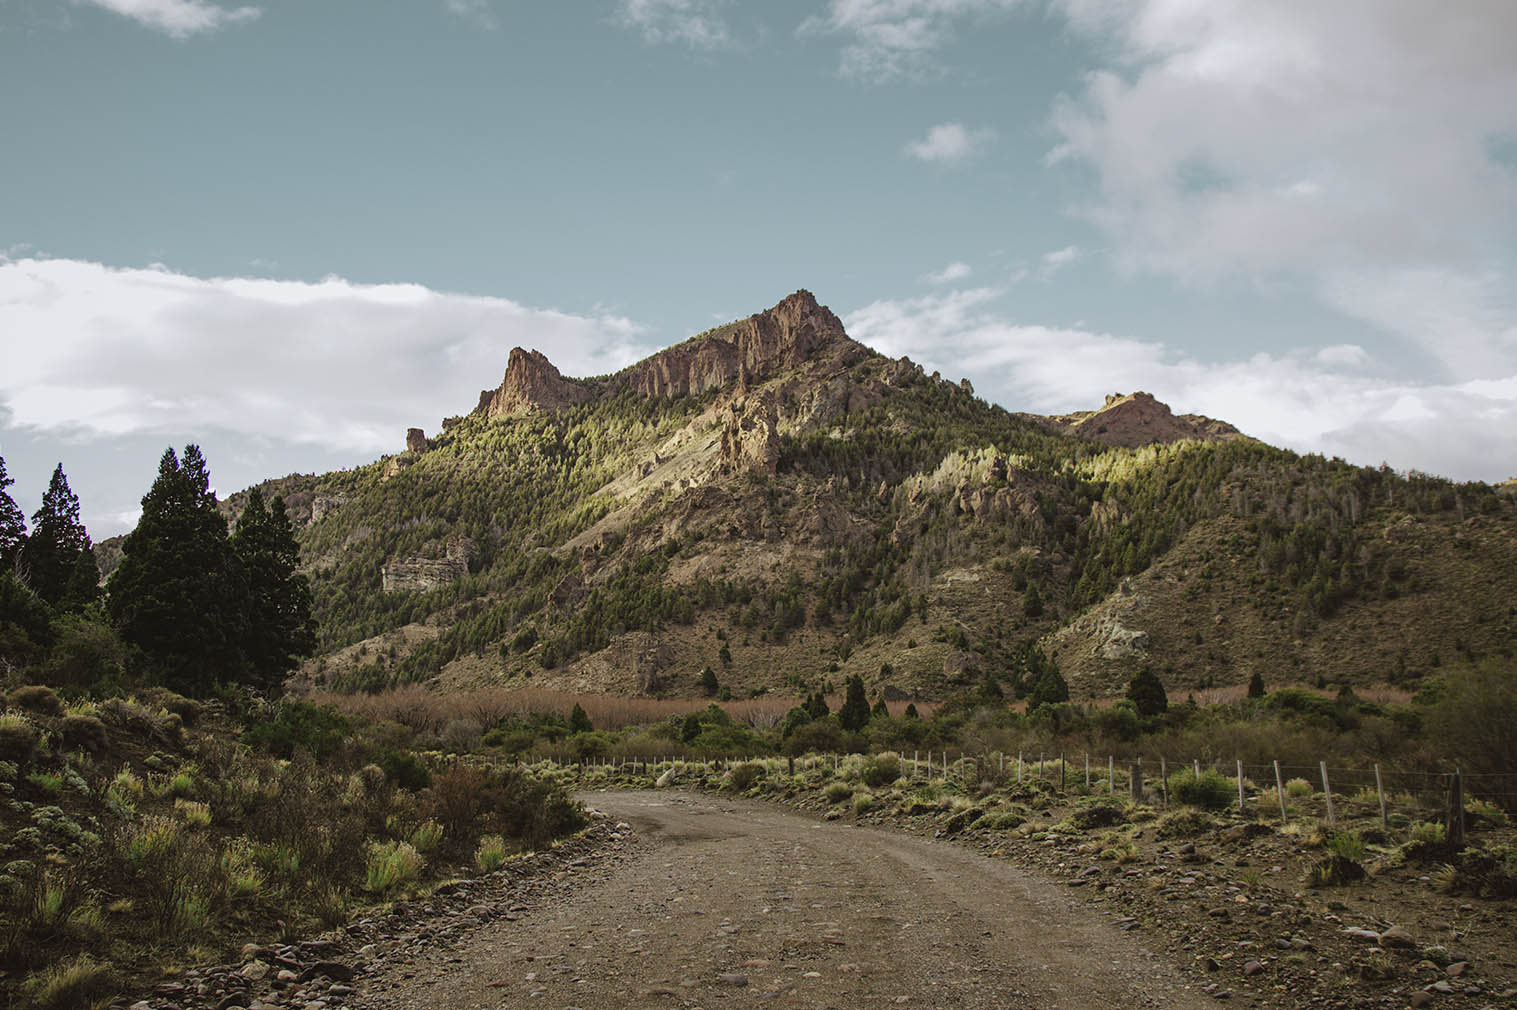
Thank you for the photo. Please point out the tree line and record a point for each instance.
(194, 605)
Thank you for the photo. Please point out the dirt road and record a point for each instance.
(725, 903)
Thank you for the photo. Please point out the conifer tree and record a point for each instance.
(854, 715)
(1050, 688)
(1146, 692)
(12, 522)
(57, 537)
(83, 582)
(179, 595)
(1256, 684)
(579, 720)
(280, 629)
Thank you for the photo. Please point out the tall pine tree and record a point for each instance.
(179, 595)
(51, 552)
(280, 628)
(12, 522)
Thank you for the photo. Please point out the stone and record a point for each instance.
(235, 999)
(1396, 937)
(334, 970)
(1252, 968)
(416, 440)
(1456, 969)
(1420, 998)
(255, 971)
(732, 978)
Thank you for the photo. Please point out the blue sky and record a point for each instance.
(288, 230)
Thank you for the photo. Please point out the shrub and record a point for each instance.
(150, 842)
(390, 864)
(240, 870)
(405, 770)
(84, 732)
(196, 815)
(490, 854)
(77, 982)
(747, 775)
(1210, 791)
(315, 729)
(36, 698)
(863, 803)
(881, 770)
(1347, 844)
(125, 791)
(1299, 789)
(18, 738)
(426, 836)
(837, 792)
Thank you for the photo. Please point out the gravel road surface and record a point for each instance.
(727, 903)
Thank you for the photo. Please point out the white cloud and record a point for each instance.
(97, 351)
(1343, 355)
(696, 23)
(954, 271)
(1302, 400)
(1349, 147)
(179, 18)
(949, 143)
(896, 38)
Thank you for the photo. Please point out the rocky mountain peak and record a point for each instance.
(749, 351)
(1133, 419)
(532, 382)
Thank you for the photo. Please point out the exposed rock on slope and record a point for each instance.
(1139, 419)
(531, 383)
(751, 350)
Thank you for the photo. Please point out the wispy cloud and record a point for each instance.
(1318, 400)
(890, 39)
(179, 18)
(1343, 148)
(954, 271)
(478, 12)
(950, 143)
(698, 24)
(95, 351)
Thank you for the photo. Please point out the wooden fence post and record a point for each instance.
(1195, 767)
(1019, 767)
(1280, 794)
(1327, 792)
(1061, 773)
(1164, 778)
(1111, 775)
(1456, 809)
(1087, 771)
(1135, 780)
(1380, 791)
(1240, 785)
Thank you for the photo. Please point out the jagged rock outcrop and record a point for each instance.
(420, 575)
(416, 440)
(750, 437)
(748, 351)
(531, 382)
(1138, 419)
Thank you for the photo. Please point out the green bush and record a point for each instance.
(491, 853)
(18, 738)
(405, 770)
(747, 775)
(880, 770)
(1210, 791)
(36, 698)
(299, 725)
(389, 865)
(837, 792)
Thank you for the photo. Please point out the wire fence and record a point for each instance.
(1324, 792)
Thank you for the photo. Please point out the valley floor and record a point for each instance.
(719, 902)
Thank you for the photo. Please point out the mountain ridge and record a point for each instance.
(781, 504)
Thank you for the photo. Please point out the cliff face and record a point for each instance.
(751, 350)
(531, 383)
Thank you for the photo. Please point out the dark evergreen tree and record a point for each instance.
(12, 522)
(911, 711)
(1049, 689)
(83, 582)
(179, 596)
(1032, 602)
(709, 683)
(25, 623)
(880, 710)
(816, 706)
(280, 629)
(579, 721)
(1146, 692)
(57, 537)
(1256, 685)
(854, 715)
